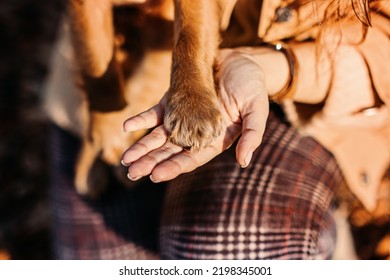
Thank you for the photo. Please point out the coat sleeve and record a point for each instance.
(376, 49)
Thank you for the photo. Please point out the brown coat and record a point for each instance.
(360, 142)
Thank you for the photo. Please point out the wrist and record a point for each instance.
(288, 90)
(273, 63)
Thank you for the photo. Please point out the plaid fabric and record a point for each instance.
(279, 207)
(276, 208)
(122, 224)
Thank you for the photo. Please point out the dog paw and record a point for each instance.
(193, 123)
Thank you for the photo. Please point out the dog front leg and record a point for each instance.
(92, 34)
(192, 114)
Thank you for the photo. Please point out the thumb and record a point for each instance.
(253, 127)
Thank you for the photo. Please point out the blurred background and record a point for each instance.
(27, 32)
(28, 29)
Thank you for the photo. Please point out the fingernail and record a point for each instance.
(124, 163)
(125, 130)
(247, 160)
(153, 180)
(133, 179)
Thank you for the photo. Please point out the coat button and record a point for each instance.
(283, 14)
(364, 178)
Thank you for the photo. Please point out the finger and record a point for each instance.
(253, 127)
(188, 161)
(182, 163)
(144, 165)
(155, 139)
(144, 120)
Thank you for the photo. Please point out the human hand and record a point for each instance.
(244, 107)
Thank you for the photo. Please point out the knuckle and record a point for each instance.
(150, 159)
(157, 136)
(140, 146)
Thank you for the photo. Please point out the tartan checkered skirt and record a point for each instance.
(279, 207)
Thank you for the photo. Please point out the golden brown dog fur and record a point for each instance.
(192, 116)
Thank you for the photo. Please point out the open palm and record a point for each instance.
(244, 107)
